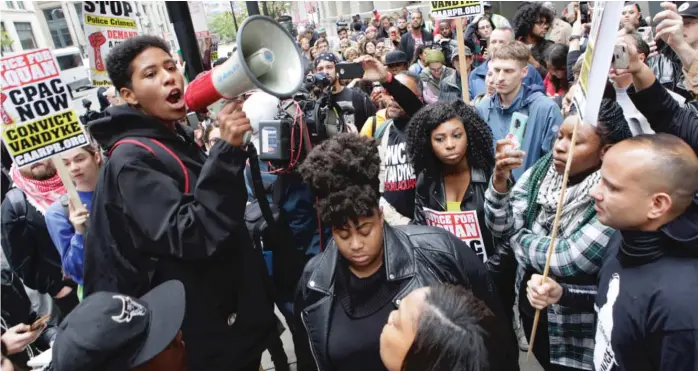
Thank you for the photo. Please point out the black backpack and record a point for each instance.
(269, 230)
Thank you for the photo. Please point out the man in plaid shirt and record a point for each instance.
(523, 215)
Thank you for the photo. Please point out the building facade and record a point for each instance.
(58, 24)
(21, 27)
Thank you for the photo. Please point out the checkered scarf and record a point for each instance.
(40, 193)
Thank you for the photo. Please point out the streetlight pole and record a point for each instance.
(235, 21)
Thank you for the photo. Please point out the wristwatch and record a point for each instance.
(575, 37)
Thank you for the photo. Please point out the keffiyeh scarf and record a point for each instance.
(40, 193)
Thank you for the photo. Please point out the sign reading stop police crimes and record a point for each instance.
(38, 122)
(463, 224)
(455, 9)
(107, 23)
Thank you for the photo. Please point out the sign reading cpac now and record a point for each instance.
(37, 121)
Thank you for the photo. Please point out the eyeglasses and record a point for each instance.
(485, 27)
(212, 142)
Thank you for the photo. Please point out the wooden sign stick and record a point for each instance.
(63, 172)
(553, 236)
(461, 60)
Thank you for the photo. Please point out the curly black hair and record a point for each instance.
(480, 151)
(342, 173)
(528, 15)
(120, 57)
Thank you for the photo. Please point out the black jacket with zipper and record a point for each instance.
(145, 230)
(415, 256)
(431, 194)
(407, 42)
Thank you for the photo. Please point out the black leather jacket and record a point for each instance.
(416, 256)
(667, 67)
(501, 262)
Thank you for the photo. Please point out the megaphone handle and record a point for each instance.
(247, 137)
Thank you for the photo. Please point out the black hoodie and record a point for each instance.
(144, 230)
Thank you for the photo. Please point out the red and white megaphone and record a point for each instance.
(266, 58)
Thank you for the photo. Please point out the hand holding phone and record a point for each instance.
(621, 60)
(349, 70)
(39, 323)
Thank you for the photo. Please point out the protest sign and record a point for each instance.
(455, 9)
(597, 59)
(38, 122)
(458, 9)
(215, 40)
(463, 224)
(107, 23)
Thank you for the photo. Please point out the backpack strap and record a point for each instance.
(18, 202)
(373, 126)
(151, 145)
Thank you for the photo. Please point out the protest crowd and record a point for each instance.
(416, 238)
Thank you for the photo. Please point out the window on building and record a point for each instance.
(20, 4)
(10, 4)
(25, 34)
(58, 27)
(6, 45)
(66, 62)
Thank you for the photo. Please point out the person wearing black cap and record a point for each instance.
(114, 332)
(356, 105)
(397, 61)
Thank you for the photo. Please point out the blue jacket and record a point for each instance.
(69, 244)
(298, 204)
(544, 120)
(476, 80)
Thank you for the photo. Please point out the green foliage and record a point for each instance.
(5, 39)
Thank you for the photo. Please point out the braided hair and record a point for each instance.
(342, 173)
(479, 153)
(611, 127)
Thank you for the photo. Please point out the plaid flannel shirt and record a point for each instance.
(578, 254)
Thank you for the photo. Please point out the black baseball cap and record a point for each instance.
(396, 57)
(688, 9)
(109, 331)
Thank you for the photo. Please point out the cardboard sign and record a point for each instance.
(107, 23)
(597, 59)
(455, 9)
(463, 224)
(38, 122)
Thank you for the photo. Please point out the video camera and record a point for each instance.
(302, 122)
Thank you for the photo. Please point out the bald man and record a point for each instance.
(647, 297)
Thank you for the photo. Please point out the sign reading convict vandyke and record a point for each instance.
(107, 23)
(38, 122)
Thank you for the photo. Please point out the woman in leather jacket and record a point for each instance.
(450, 147)
(346, 293)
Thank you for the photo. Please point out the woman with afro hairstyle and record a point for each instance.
(531, 23)
(347, 292)
(449, 145)
(523, 215)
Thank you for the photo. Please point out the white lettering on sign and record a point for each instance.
(463, 224)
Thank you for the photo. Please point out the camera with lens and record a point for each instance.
(302, 122)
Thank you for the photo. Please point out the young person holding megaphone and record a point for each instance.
(165, 210)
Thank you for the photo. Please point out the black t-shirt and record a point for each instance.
(647, 306)
(356, 101)
(360, 309)
(400, 179)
